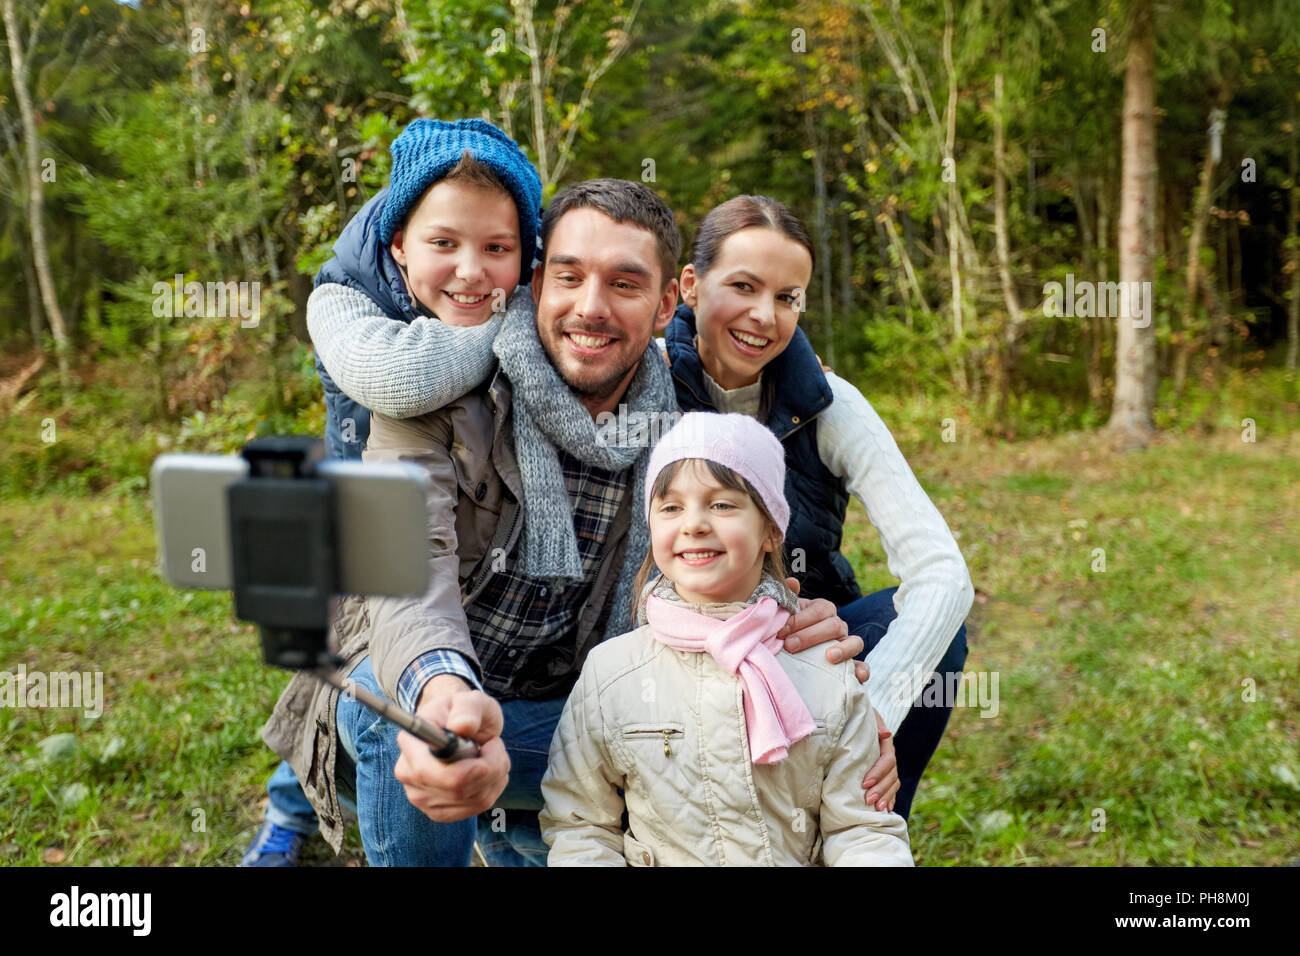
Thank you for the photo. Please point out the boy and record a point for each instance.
(403, 318)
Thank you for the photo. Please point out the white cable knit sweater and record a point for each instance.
(391, 367)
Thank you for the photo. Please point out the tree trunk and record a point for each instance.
(1015, 317)
(33, 303)
(1131, 421)
(536, 91)
(1101, 325)
(1293, 244)
(822, 238)
(954, 239)
(1186, 338)
(36, 199)
(1030, 198)
(1085, 196)
(409, 49)
(1236, 290)
(1000, 208)
(846, 266)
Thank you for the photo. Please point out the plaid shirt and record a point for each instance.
(524, 627)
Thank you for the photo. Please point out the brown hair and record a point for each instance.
(773, 562)
(624, 202)
(744, 212)
(474, 172)
(471, 171)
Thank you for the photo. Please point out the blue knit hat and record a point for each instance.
(427, 150)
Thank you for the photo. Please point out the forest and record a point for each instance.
(1057, 247)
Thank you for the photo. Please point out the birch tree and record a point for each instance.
(20, 68)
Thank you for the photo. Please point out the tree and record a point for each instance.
(532, 73)
(20, 68)
(1131, 421)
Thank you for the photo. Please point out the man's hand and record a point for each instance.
(881, 782)
(447, 792)
(816, 623)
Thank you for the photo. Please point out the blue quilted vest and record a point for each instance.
(364, 263)
(817, 498)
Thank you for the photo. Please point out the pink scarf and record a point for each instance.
(744, 644)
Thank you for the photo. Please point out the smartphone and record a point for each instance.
(383, 529)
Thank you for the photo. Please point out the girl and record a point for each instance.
(722, 749)
(735, 346)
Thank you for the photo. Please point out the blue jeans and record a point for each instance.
(288, 806)
(393, 832)
(917, 739)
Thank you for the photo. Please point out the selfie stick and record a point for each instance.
(283, 540)
(443, 744)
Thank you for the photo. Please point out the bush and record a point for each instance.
(111, 432)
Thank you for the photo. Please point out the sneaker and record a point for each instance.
(274, 846)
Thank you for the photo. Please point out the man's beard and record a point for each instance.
(598, 390)
(593, 390)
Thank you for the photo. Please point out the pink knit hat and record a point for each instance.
(736, 441)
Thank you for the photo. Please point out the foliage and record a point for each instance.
(245, 138)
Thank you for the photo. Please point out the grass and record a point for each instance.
(1147, 711)
(173, 771)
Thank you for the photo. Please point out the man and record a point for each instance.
(532, 512)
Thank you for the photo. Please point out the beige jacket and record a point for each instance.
(668, 728)
(467, 449)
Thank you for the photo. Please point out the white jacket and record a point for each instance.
(668, 728)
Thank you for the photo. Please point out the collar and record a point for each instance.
(804, 393)
(768, 586)
(360, 256)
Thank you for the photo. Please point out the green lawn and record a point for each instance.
(1124, 691)
(1161, 691)
(184, 685)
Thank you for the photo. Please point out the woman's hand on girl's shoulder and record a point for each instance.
(881, 782)
(818, 622)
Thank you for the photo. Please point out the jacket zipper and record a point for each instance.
(472, 592)
(668, 733)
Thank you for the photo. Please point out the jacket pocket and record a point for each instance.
(477, 517)
(637, 853)
(665, 731)
(319, 779)
(478, 482)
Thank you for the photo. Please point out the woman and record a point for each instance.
(735, 346)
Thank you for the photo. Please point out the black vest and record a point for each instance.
(817, 498)
(363, 263)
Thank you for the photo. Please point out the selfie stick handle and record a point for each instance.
(443, 744)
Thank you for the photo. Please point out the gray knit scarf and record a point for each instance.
(547, 415)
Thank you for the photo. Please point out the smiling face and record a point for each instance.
(459, 246)
(745, 305)
(708, 539)
(600, 296)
